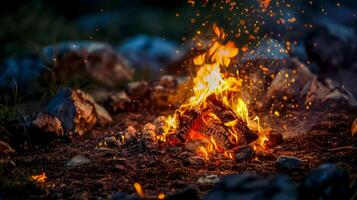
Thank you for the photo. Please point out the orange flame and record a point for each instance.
(213, 78)
(41, 178)
(139, 189)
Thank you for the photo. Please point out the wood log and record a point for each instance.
(225, 114)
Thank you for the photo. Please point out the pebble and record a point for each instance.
(288, 162)
(208, 179)
(78, 160)
(244, 153)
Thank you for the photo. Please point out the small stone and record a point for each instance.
(120, 102)
(5, 151)
(244, 153)
(112, 141)
(168, 81)
(130, 132)
(274, 139)
(102, 114)
(48, 124)
(326, 182)
(138, 90)
(78, 160)
(208, 179)
(160, 95)
(288, 162)
(149, 131)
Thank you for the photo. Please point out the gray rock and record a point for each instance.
(98, 61)
(138, 89)
(48, 124)
(250, 187)
(208, 179)
(326, 182)
(244, 153)
(77, 111)
(120, 102)
(78, 160)
(153, 53)
(290, 163)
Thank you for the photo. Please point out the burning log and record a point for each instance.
(226, 115)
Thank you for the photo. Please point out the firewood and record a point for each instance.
(226, 115)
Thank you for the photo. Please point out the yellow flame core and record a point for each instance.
(213, 78)
(41, 178)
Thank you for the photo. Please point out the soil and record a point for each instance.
(165, 169)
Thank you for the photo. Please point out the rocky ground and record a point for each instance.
(86, 169)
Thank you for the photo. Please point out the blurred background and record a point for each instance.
(69, 40)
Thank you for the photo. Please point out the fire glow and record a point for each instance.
(213, 84)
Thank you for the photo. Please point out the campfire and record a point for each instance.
(215, 114)
(237, 110)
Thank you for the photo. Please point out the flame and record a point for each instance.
(41, 178)
(139, 189)
(214, 78)
(264, 3)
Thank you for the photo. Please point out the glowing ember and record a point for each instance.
(139, 189)
(41, 178)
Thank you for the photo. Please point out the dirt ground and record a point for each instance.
(166, 169)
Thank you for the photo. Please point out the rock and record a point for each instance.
(274, 139)
(294, 84)
(78, 160)
(208, 179)
(76, 110)
(332, 47)
(112, 141)
(120, 102)
(153, 53)
(244, 153)
(49, 124)
(149, 131)
(138, 90)
(249, 187)
(289, 163)
(168, 81)
(102, 114)
(99, 61)
(5, 152)
(322, 92)
(187, 194)
(160, 96)
(124, 196)
(130, 132)
(326, 182)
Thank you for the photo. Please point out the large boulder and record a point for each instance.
(151, 52)
(250, 187)
(93, 60)
(72, 110)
